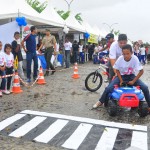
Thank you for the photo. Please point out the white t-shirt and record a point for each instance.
(68, 46)
(115, 51)
(128, 67)
(9, 60)
(142, 51)
(2, 58)
(80, 48)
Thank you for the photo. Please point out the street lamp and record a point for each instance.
(69, 4)
(110, 26)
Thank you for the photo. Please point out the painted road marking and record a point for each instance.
(8, 121)
(139, 140)
(87, 120)
(107, 139)
(78, 136)
(54, 129)
(27, 127)
(74, 132)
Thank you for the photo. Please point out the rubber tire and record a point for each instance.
(87, 78)
(143, 109)
(112, 108)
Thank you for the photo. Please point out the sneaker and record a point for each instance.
(1, 94)
(106, 81)
(28, 81)
(6, 92)
(53, 72)
(98, 104)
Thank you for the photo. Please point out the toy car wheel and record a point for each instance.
(112, 108)
(143, 109)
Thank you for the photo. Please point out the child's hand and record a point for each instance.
(131, 82)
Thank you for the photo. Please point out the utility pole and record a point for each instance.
(69, 4)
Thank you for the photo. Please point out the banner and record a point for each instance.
(93, 39)
(7, 32)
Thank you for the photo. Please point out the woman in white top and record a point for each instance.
(143, 51)
(9, 64)
(81, 59)
(68, 47)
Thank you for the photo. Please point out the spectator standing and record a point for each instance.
(81, 53)
(16, 51)
(143, 51)
(75, 49)
(2, 72)
(9, 64)
(68, 47)
(30, 50)
(49, 42)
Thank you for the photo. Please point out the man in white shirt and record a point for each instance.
(143, 51)
(114, 52)
(68, 47)
(126, 66)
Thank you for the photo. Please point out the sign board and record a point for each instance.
(93, 39)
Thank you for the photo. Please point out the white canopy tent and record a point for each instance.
(87, 27)
(15, 8)
(72, 23)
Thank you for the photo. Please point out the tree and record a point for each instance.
(35, 4)
(78, 17)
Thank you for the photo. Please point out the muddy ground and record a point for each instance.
(62, 95)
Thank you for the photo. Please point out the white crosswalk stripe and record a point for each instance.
(10, 120)
(107, 140)
(78, 136)
(55, 128)
(27, 127)
(74, 138)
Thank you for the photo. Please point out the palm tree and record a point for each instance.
(35, 4)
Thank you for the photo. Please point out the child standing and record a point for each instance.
(2, 72)
(126, 67)
(143, 52)
(9, 64)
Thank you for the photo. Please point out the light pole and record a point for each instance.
(69, 4)
(110, 26)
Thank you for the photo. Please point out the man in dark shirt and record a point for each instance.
(16, 50)
(75, 48)
(31, 53)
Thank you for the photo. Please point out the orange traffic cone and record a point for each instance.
(76, 75)
(41, 79)
(16, 85)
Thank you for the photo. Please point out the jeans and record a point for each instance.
(32, 56)
(111, 72)
(48, 55)
(3, 83)
(8, 72)
(67, 58)
(109, 89)
(20, 69)
(81, 60)
(143, 59)
(75, 56)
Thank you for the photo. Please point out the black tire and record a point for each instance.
(112, 108)
(96, 77)
(143, 109)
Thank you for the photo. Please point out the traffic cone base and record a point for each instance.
(16, 85)
(41, 79)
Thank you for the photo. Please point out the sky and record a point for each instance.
(131, 15)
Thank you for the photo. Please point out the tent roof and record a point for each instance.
(71, 22)
(97, 30)
(21, 8)
(88, 28)
(50, 14)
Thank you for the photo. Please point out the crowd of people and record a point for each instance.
(123, 59)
